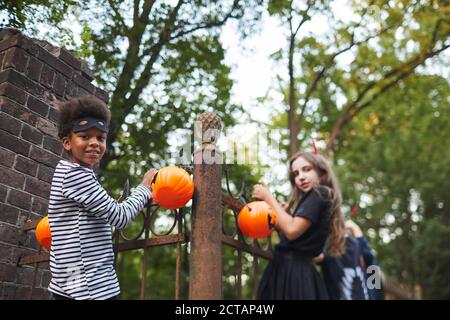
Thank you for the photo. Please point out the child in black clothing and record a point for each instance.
(367, 260)
(311, 220)
(343, 275)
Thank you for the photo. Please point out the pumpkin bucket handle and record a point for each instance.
(154, 177)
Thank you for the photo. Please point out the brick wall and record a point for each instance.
(34, 78)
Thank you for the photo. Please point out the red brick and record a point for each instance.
(83, 82)
(9, 124)
(38, 188)
(20, 81)
(37, 106)
(12, 92)
(39, 206)
(51, 99)
(10, 42)
(22, 292)
(68, 58)
(31, 241)
(82, 92)
(23, 217)
(55, 63)
(13, 143)
(19, 252)
(28, 45)
(71, 90)
(17, 111)
(16, 58)
(11, 178)
(44, 157)
(46, 276)
(6, 253)
(31, 134)
(47, 77)
(86, 72)
(34, 69)
(19, 199)
(45, 173)
(53, 114)
(9, 291)
(3, 192)
(26, 165)
(59, 85)
(8, 272)
(102, 95)
(25, 275)
(6, 157)
(11, 234)
(9, 214)
(2, 55)
(47, 127)
(53, 145)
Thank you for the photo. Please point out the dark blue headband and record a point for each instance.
(86, 123)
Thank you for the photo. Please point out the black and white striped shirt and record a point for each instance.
(81, 214)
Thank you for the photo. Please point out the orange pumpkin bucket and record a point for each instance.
(43, 235)
(173, 188)
(256, 219)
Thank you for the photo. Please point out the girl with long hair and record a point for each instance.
(311, 221)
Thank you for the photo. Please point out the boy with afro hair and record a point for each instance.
(81, 212)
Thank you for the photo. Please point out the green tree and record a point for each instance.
(162, 63)
(383, 118)
(388, 41)
(20, 13)
(393, 163)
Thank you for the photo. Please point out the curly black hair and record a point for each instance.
(75, 108)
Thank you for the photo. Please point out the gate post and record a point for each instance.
(205, 267)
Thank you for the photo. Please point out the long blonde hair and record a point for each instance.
(335, 243)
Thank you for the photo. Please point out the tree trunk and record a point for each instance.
(294, 127)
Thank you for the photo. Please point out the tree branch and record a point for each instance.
(352, 44)
(321, 73)
(304, 18)
(353, 109)
(117, 16)
(144, 77)
(293, 121)
(136, 11)
(216, 23)
(131, 60)
(406, 72)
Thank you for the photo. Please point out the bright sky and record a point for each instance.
(254, 74)
(253, 70)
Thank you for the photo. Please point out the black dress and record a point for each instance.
(291, 274)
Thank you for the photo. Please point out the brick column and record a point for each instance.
(34, 78)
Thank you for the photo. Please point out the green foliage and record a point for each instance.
(161, 274)
(391, 156)
(394, 164)
(249, 284)
(86, 39)
(22, 13)
(433, 258)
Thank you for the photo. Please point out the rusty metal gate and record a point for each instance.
(210, 205)
(206, 239)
